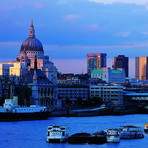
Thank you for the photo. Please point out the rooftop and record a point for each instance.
(97, 71)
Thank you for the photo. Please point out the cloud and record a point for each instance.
(54, 47)
(20, 5)
(71, 17)
(38, 5)
(62, 1)
(11, 43)
(145, 33)
(91, 27)
(123, 34)
(7, 7)
(94, 26)
(81, 48)
(137, 2)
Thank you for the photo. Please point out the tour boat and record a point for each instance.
(79, 138)
(112, 135)
(57, 134)
(131, 132)
(11, 112)
(146, 128)
(97, 138)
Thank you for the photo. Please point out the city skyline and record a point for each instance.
(64, 26)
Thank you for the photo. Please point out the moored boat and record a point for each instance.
(130, 132)
(57, 134)
(146, 128)
(79, 138)
(12, 112)
(97, 138)
(112, 135)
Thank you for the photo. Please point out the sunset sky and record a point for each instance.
(69, 29)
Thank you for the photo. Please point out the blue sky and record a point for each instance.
(69, 29)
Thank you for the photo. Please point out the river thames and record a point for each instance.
(32, 134)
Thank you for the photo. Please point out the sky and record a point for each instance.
(69, 29)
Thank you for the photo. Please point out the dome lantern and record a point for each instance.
(32, 44)
(31, 31)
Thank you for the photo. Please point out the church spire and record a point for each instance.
(32, 31)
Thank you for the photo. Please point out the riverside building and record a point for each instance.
(108, 93)
(109, 75)
(73, 92)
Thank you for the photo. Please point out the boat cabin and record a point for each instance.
(57, 133)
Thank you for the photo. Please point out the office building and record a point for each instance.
(108, 93)
(95, 61)
(73, 92)
(141, 68)
(121, 62)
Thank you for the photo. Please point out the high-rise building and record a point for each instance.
(95, 61)
(141, 68)
(121, 62)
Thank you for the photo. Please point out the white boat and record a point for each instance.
(12, 112)
(112, 135)
(57, 134)
(146, 128)
(131, 132)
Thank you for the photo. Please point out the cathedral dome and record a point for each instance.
(31, 43)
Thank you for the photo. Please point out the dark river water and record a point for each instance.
(32, 134)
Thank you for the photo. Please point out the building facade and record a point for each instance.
(141, 68)
(109, 75)
(43, 91)
(5, 69)
(37, 75)
(95, 61)
(134, 96)
(73, 92)
(72, 78)
(121, 62)
(18, 69)
(108, 93)
(7, 89)
(32, 47)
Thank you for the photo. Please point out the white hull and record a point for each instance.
(113, 139)
(56, 140)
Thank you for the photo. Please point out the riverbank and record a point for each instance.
(98, 111)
